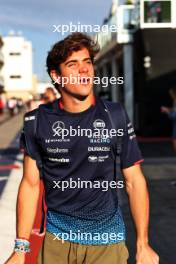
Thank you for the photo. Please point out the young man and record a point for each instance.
(84, 221)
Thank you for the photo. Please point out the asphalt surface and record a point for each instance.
(9, 146)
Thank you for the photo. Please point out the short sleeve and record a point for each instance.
(172, 115)
(130, 154)
(28, 143)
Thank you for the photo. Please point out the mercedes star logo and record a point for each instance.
(57, 127)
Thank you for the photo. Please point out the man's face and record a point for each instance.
(79, 66)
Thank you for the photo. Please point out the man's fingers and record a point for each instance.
(156, 259)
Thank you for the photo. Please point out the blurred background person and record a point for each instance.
(35, 102)
(3, 102)
(49, 95)
(20, 104)
(12, 106)
(171, 112)
(1, 105)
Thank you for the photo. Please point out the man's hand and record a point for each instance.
(16, 258)
(165, 109)
(139, 203)
(146, 255)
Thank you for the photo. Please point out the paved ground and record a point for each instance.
(9, 129)
(10, 176)
(3, 116)
(160, 171)
(162, 214)
(8, 212)
(8, 146)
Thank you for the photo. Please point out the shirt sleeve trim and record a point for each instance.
(139, 162)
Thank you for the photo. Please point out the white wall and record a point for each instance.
(17, 65)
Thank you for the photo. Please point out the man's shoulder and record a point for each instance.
(48, 107)
(41, 108)
(30, 115)
(112, 106)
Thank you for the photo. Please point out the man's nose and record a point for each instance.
(83, 68)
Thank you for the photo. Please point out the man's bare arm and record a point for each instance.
(28, 195)
(136, 188)
(27, 201)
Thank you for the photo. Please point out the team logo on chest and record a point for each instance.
(99, 124)
(58, 127)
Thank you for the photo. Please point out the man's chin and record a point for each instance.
(81, 97)
(82, 93)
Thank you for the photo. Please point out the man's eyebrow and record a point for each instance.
(72, 61)
(88, 58)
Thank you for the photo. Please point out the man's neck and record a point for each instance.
(75, 105)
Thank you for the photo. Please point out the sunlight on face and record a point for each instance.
(77, 73)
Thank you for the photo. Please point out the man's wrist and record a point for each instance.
(20, 254)
(22, 245)
(142, 242)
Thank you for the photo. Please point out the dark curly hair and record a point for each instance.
(64, 48)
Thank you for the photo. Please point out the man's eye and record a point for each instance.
(71, 64)
(89, 61)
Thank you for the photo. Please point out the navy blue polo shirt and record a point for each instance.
(77, 153)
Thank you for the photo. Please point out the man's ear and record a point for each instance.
(55, 77)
